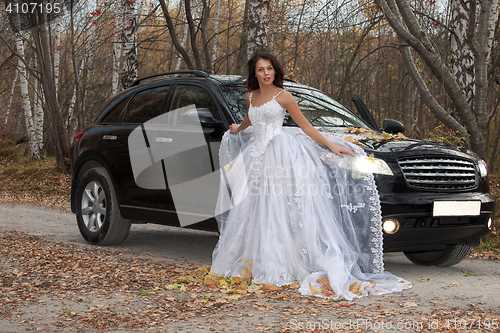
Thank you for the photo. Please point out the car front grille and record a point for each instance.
(439, 173)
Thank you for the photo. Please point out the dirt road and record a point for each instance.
(465, 296)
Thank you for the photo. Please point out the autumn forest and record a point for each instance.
(431, 64)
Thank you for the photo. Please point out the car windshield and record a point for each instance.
(319, 109)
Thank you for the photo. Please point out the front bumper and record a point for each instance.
(420, 231)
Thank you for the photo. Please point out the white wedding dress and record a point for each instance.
(290, 212)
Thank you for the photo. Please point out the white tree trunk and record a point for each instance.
(129, 40)
(215, 45)
(12, 90)
(117, 56)
(26, 104)
(462, 58)
(38, 119)
(257, 26)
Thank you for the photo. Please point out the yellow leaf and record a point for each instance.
(349, 138)
(236, 280)
(222, 283)
(183, 279)
(233, 297)
(314, 290)
(271, 287)
(209, 278)
(183, 288)
(293, 286)
(354, 288)
(203, 270)
(175, 286)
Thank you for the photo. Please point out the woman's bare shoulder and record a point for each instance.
(284, 96)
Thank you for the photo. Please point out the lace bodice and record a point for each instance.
(267, 122)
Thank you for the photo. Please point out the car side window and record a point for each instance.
(146, 105)
(186, 95)
(112, 115)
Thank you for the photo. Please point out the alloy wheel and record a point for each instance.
(93, 206)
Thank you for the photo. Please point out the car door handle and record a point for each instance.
(109, 137)
(163, 140)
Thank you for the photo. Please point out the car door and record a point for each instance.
(136, 192)
(187, 140)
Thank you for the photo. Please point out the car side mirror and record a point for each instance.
(392, 126)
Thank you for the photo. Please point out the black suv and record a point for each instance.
(435, 197)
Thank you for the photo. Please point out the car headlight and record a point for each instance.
(369, 164)
(483, 169)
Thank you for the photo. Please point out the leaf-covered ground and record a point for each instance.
(50, 286)
(23, 181)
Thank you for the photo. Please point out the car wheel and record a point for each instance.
(451, 255)
(98, 216)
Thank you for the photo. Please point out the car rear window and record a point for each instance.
(146, 105)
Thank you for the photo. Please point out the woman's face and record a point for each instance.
(264, 71)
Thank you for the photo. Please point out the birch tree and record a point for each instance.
(215, 44)
(34, 125)
(9, 105)
(468, 91)
(258, 25)
(117, 55)
(129, 42)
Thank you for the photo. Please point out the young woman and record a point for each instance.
(291, 208)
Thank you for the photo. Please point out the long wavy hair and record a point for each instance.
(252, 83)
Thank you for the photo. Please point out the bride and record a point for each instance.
(291, 208)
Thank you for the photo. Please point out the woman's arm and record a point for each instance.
(234, 128)
(288, 102)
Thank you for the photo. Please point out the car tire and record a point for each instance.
(451, 255)
(97, 212)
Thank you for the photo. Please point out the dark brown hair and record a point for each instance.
(252, 83)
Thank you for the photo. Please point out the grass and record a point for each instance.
(39, 183)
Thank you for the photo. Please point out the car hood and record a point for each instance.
(377, 142)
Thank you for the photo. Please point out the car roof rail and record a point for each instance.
(191, 72)
(289, 80)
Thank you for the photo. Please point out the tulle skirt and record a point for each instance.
(298, 214)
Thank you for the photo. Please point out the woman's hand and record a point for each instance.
(234, 128)
(340, 150)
